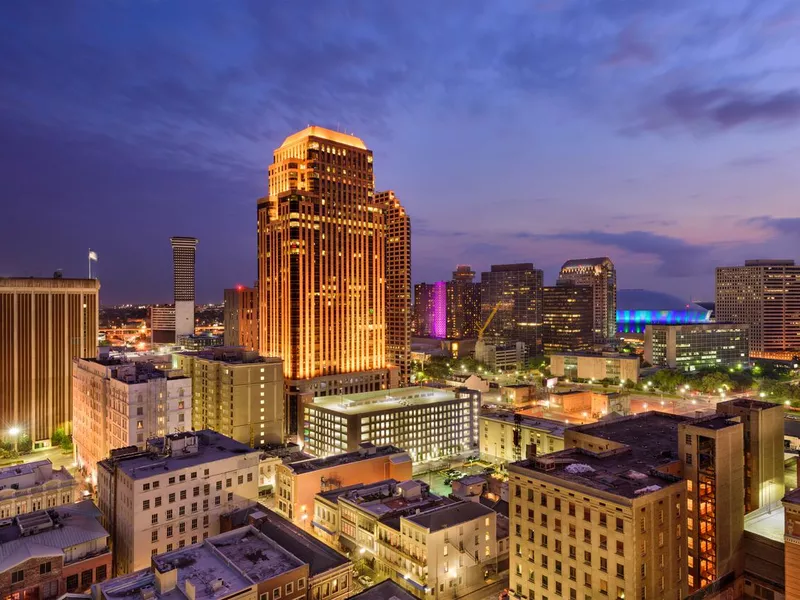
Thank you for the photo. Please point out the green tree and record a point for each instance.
(712, 382)
(58, 437)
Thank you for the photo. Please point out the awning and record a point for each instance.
(320, 526)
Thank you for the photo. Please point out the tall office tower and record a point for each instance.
(398, 282)
(463, 304)
(764, 294)
(322, 268)
(240, 317)
(515, 291)
(423, 309)
(44, 324)
(600, 274)
(567, 318)
(183, 254)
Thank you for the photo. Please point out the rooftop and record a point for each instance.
(392, 498)
(587, 262)
(385, 590)
(31, 474)
(751, 403)
(450, 515)
(255, 554)
(715, 422)
(177, 451)
(367, 402)
(767, 524)
(317, 464)
(232, 355)
(793, 497)
(555, 428)
(49, 282)
(324, 134)
(609, 355)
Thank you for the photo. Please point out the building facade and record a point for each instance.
(791, 505)
(463, 304)
(601, 276)
(240, 317)
(119, 403)
(764, 294)
(616, 367)
(514, 294)
(505, 437)
(398, 283)
(162, 325)
(427, 422)
(237, 393)
(35, 486)
(567, 318)
(172, 494)
(183, 259)
(689, 347)
(44, 324)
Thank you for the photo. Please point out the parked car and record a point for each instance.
(365, 580)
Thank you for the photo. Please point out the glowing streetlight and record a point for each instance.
(14, 433)
(645, 405)
(787, 403)
(762, 395)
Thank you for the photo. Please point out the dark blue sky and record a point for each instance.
(662, 133)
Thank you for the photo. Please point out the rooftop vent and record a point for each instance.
(577, 468)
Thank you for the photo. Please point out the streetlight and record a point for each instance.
(762, 395)
(14, 433)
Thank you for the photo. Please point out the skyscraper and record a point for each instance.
(430, 309)
(240, 317)
(463, 304)
(567, 311)
(322, 268)
(44, 324)
(516, 292)
(183, 255)
(398, 282)
(764, 294)
(600, 274)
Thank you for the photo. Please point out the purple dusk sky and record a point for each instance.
(661, 133)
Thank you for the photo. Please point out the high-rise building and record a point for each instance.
(322, 268)
(430, 309)
(398, 282)
(693, 346)
(567, 318)
(237, 393)
(463, 304)
(240, 317)
(162, 325)
(183, 256)
(173, 493)
(764, 294)
(601, 276)
(514, 294)
(44, 324)
(119, 403)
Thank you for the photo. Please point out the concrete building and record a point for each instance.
(162, 325)
(240, 317)
(173, 493)
(183, 259)
(764, 294)
(299, 482)
(243, 564)
(567, 318)
(502, 357)
(693, 346)
(385, 590)
(48, 553)
(791, 505)
(427, 422)
(398, 283)
(463, 304)
(515, 291)
(200, 341)
(322, 267)
(616, 367)
(124, 402)
(44, 324)
(237, 393)
(506, 437)
(601, 276)
(35, 486)
(763, 427)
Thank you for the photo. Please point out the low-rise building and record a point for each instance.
(608, 365)
(172, 494)
(299, 482)
(385, 590)
(692, 346)
(47, 553)
(791, 505)
(506, 436)
(502, 357)
(124, 402)
(35, 486)
(200, 341)
(237, 393)
(427, 422)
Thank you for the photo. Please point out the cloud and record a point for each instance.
(785, 226)
(631, 49)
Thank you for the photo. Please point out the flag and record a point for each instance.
(93, 255)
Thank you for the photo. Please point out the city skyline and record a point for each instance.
(689, 170)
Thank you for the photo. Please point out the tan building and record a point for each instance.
(299, 482)
(119, 403)
(183, 260)
(617, 367)
(505, 437)
(162, 325)
(172, 494)
(35, 486)
(398, 283)
(764, 294)
(237, 393)
(44, 324)
(322, 264)
(240, 317)
(692, 346)
(601, 276)
(791, 505)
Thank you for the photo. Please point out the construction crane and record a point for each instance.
(487, 322)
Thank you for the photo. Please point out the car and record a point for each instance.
(365, 580)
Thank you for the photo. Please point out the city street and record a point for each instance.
(56, 456)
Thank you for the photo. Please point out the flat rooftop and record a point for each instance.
(368, 402)
(769, 525)
(212, 446)
(715, 422)
(231, 355)
(201, 565)
(451, 515)
(317, 464)
(751, 403)
(609, 355)
(255, 554)
(385, 590)
(384, 498)
(652, 432)
(553, 427)
(25, 470)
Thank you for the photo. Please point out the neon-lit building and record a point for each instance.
(636, 321)
(430, 309)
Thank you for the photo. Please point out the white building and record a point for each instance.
(34, 486)
(124, 402)
(172, 494)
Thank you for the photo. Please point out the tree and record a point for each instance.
(58, 437)
(713, 382)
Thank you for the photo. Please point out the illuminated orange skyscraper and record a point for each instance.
(321, 268)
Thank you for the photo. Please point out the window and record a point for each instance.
(154, 536)
(587, 557)
(169, 547)
(156, 484)
(620, 548)
(45, 567)
(603, 565)
(230, 496)
(182, 511)
(146, 505)
(688, 439)
(290, 588)
(158, 501)
(276, 593)
(228, 484)
(603, 542)
(72, 583)
(587, 536)
(194, 523)
(249, 477)
(169, 514)
(643, 571)
(169, 531)
(216, 501)
(620, 571)
(154, 519)
(571, 509)
(603, 520)
(688, 459)
(301, 583)
(587, 514)
(172, 481)
(172, 497)
(219, 485)
(86, 578)
(573, 573)
(264, 596)
(620, 526)
(194, 507)
(100, 573)
(558, 588)
(183, 495)
(17, 576)
(572, 531)
(145, 487)
(587, 580)
(240, 479)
